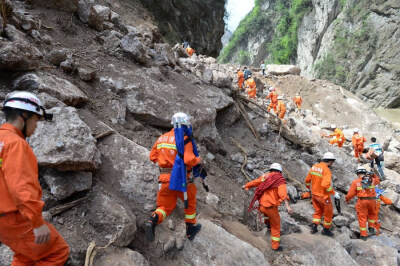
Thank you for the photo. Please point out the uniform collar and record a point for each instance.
(8, 126)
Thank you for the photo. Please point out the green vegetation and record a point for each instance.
(244, 57)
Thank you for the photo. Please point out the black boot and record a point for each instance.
(151, 227)
(314, 228)
(327, 232)
(371, 231)
(278, 249)
(192, 230)
(363, 238)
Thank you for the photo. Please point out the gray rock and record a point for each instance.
(214, 245)
(279, 70)
(210, 156)
(59, 88)
(119, 257)
(66, 144)
(56, 57)
(115, 217)
(6, 255)
(164, 55)
(238, 157)
(98, 15)
(372, 252)
(171, 224)
(221, 79)
(64, 5)
(341, 221)
(47, 39)
(64, 184)
(180, 243)
(355, 227)
(292, 191)
(111, 39)
(68, 65)
(288, 224)
(131, 169)
(18, 55)
(84, 7)
(303, 210)
(208, 76)
(179, 51)
(133, 48)
(392, 161)
(86, 74)
(212, 200)
(170, 244)
(50, 101)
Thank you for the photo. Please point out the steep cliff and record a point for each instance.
(353, 43)
(200, 22)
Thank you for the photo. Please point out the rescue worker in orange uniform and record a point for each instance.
(22, 227)
(337, 136)
(281, 108)
(358, 143)
(251, 87)
(164, 152)
(298, 100)
(273, 96)
(240, 76)
(319, 178)
(190, 51)
(271, 199)
(364, 188)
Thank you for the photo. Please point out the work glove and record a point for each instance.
(337, 195)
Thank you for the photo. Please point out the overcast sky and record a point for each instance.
(237, 9)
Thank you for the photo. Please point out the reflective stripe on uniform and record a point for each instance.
(162, 212)
(378, 200)
(166, 145)
(371, 221)
(325, 223)
(363, 229)
(329, 189)
(275, 238)
(316, 220)
(315, 173)
(359, 188)
(308, 184)
(190, 216)
(1, 163)
(371, 187)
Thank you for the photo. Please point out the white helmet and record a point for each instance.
(298, 94)
(329, 156)
(276, 166)
(26, 101)
(333, 126)
(361, 170)
(271, 88)
(182, 117)
(238, 69)
(249, 76)
(280, 97)
(356, 130)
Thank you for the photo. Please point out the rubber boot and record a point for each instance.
(314, 228)
(327, 232)
(278, 249)
(192, 230)
(371, 231)
(363, 238)
(151, 227)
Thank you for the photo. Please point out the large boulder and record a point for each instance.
(60, 88)
(215, 246)
(98, 15)
(120, 257)
(371, 252)
(131, 169)
(279, 70)
(221, 79)
(67, 143)
(164, 55)
(392, 161)
(18, 55)
(64, 184)
(303, 211)
(84, 7)
(133, 47)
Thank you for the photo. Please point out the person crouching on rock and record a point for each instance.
(22, 227)
(164, 152)
(271, 191)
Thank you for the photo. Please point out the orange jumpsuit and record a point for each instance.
(366, 203)
(164, 153)
(269, 203)
(358, 144)
(251, 88)
(274, 100)
(337, 137)
(297, 101)
(190, 51)
(281, 109)
(21, 205)
(240, 76)
(375, 216)
(319, 178)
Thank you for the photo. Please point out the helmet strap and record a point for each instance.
(20, 112)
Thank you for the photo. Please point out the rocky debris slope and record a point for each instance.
(115, 95)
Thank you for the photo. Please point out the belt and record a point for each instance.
(165, 170)
(3, 214)
(367, 198)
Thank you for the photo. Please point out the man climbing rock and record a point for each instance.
(358, 143)
(273, 96)
(337, 136)
(375, 154)
(164, 153)
(22, 227)
(297, 101)
(251, 87)
(319, 178)
(240, 77)
(190, 50)
(281, 108)
(364, 188)
(271, 191)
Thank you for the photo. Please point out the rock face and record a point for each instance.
(66, 143)
(120, 257)
(200, 23)
(214, 245)
(283, 70)
(18, 55)
(372, 251)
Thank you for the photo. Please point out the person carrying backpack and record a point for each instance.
(247, 73)
(271, 191)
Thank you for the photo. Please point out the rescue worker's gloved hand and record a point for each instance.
(337, 195)
(42, 234)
